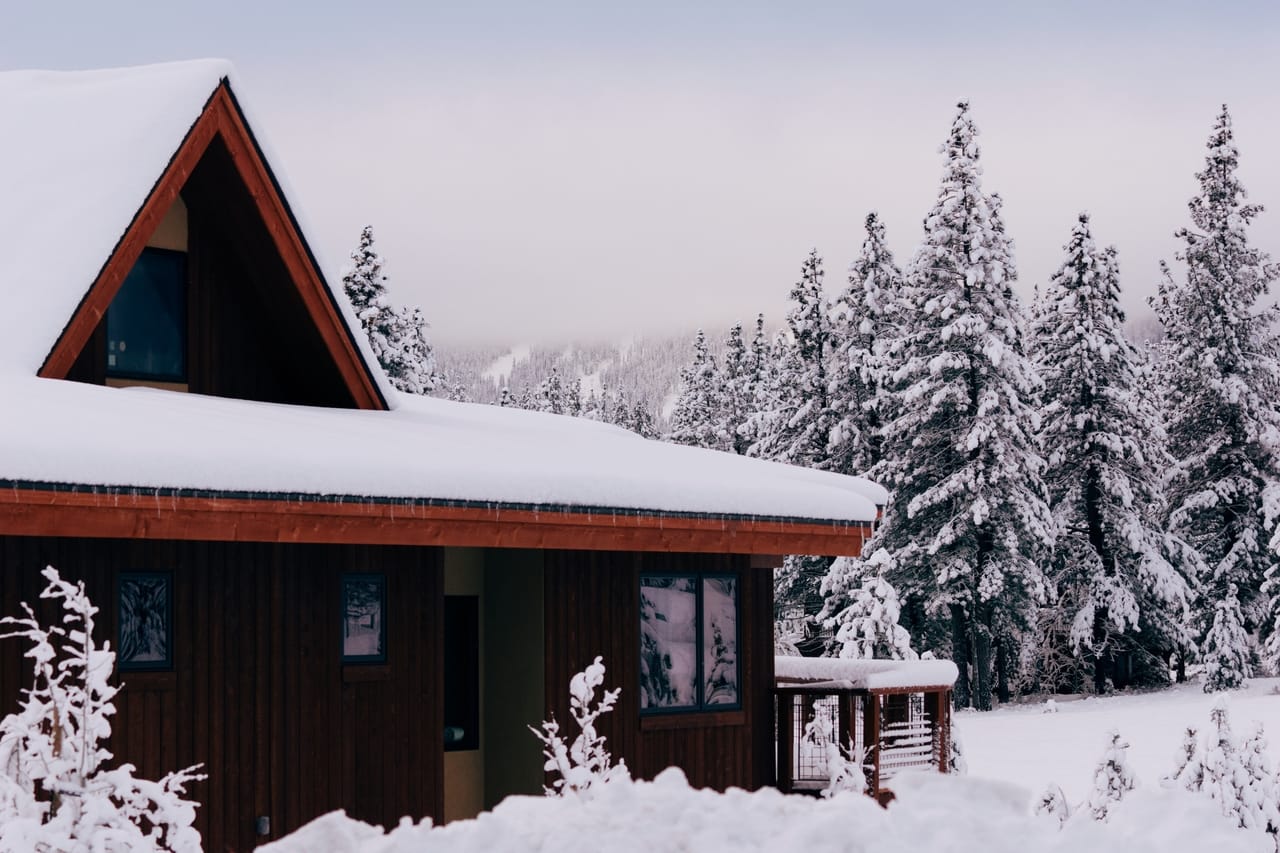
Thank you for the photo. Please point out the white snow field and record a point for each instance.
(1012, 754)
(1026, 745)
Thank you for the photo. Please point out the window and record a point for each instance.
(145, 621)
(147, 320)
(364, 630)
(689, 643)
(461, 672)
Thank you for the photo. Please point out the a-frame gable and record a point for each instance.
(222, 122)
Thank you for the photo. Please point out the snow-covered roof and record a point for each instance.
(78, 159)
(865, 674)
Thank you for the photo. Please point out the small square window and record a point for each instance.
(689, 643)
(147, 320)
(364, 629)
(145, 620)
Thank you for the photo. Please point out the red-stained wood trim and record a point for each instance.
(34, 512)
(221, 119)
(700, 720)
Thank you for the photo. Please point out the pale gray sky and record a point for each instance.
(542, 171)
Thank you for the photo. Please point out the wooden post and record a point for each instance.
(784, 702)
(846, 732)
(942, 719)
(871, 732)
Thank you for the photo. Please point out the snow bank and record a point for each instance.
(933, 812)
(865, 674)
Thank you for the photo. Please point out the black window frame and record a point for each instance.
(701, 706)
(381, 579)
(184, 332)
(165, 665)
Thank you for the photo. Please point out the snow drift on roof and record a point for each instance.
(67, 432)
(866, 674)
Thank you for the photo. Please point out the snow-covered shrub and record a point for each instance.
(55, 792)
(1225, 777)
(846, 770)
(1188, 768)
(1257, 796)
(1053, 803)
(587, 762)
(956, 762)
(1113, 778)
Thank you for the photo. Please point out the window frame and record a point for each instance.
(701, 707)
(167, 664)
(381, 657)
(183, 326)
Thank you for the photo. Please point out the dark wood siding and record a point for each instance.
(258, 692)
(592, 608)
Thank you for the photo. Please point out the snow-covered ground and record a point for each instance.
(1025, 745)
(1012, 754)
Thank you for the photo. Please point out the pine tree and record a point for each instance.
(738, 392)
(797, 425)
(398, 337)
(1119, 577)
(1188, 770)
(694, 421)
(505, 398)
(866, 317)
(1225, 778)
(864, 612)
(1220, 378)
(1113, 778)
(1258, 795)
(1053, 803)
(551, 395)
(968, 523)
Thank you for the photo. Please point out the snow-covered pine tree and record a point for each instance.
(1113, 778)
(737, 392)
(1120, 578)
(551, 394)
(866, 317)
(1220, 376)
(761, 365)
(1228, 661)
(1258, 795)
(505, 398)
(1224, 775)
(398, 337)
(866, 621)
(797, 427)
(697, 417)
(1188, 769)
(967, 525)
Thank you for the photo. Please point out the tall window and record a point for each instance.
(147, 320)
(689, 643)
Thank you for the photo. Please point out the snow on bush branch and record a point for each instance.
(55, 793)
(587, 762)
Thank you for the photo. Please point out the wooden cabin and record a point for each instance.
(330, 594)
(895, 714)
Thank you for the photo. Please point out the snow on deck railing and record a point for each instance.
(864, 674)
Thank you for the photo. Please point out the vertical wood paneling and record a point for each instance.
(592, 608)
(257, 693)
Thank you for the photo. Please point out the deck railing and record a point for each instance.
(894, 730)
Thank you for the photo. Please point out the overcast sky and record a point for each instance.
(542, 170)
